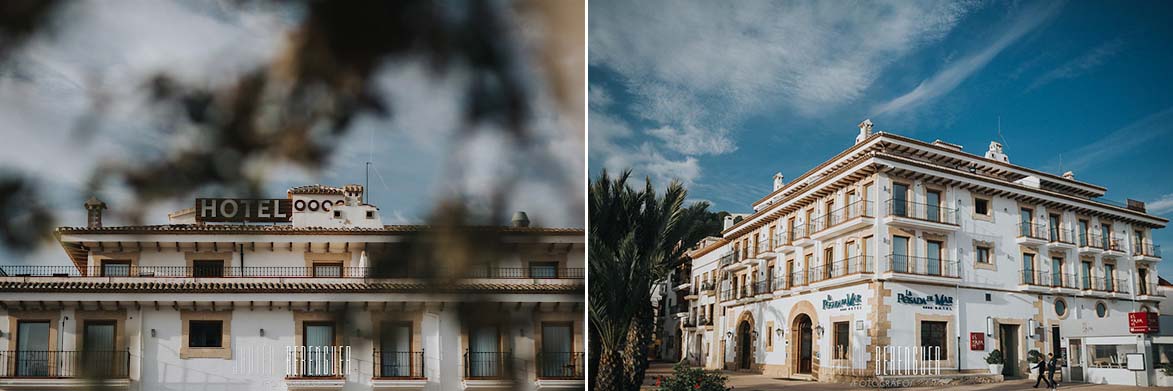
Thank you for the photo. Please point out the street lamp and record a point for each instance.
(989, 326)
(819, 330)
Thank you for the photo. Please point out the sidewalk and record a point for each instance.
(741, 381)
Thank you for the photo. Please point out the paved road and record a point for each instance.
(752, 382)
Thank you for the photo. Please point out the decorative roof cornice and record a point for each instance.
(279, 287)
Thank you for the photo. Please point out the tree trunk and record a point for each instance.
(594, 347)
(609, 376)
(635, 353)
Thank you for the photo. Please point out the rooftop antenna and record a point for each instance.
(367, 176)
(1000, 138)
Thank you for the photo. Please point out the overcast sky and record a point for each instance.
(106, 51)
(721, 97)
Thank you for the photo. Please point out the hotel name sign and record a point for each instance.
(847, 302)
(274, 210)
(928, 302)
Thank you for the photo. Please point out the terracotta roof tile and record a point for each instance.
(270, 229)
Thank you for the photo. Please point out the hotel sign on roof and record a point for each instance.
(276, 210)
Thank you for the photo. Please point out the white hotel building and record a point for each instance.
(304, 301)
(896, 245)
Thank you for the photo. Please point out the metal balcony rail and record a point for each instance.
(398, 365)
(726, 294)
(705, 321)
(1062, 235)
(1032, 277)
(800, 231)
(728, 259)
(922, 266)
(1048, 279)
(1091, 240)
(764, 246)
(65, 364)
(835, 217)
(762, 286)
(844, 267)
(781, 238)
(1064, 280)
(920, 211)
(689, 322)
(746, 291)
(317, 361)
(1115, 244)
(1148, 289)
(1147, 249)
(706, 286)
(273, 272)
(1032, 230)
(1102, 284)
(487, 365)
(561, 365)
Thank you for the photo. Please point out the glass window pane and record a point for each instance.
(32, 349)
(395, 344)
(543, 269)
(327, 270)
(112, 269)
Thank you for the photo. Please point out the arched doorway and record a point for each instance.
(803, 344)
(744, 345)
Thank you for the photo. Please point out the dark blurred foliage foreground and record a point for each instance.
(291, 109)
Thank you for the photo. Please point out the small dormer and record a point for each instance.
(995, 152)
(332, 207)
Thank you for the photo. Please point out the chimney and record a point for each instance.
(865, 131)
(94, 212)
(778, 180)
(728, 222)
(520, 219)
(1069, 176)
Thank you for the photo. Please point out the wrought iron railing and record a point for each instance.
(486, 365)
(922, 266)
(728, 258)
(1061, 235)
(919, 211)
(1032, 230)
(64, 364)
(764, 246)
(762, 286)
(317, 361)
(1049, 279)
(800, 231)
(275, 272)
(1146, 249)
(1116, 244)
(835, 217)
(843, 267)
(399, 365)
(782, 238)
(1091, 240)
(561, 365)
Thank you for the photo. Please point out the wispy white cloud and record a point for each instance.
(1120, 141)
(612, 145)
(958, 71)
(691, 140)
(1160, 205)
(1080, 65)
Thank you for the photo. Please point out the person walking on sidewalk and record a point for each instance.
(1052, 366)
(1041, 367)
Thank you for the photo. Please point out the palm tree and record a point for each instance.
(636, 238)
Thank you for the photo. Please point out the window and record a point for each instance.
(1109, 277)
(1026, 228)
(933, 257)
(933, 207)
(932, 338)
(395, 355)
(1087, 274)
(1101, 310)
(338, 214)
(370, 214)
(557, 355)
(1105, 233)
(1028, 268)
(1060, 307)
(115, 268)
(1083, 232)
(981, 206)
(543, 269)
(900, 254)
(205, 333)
(1056, 271)
(318, 338)
(1109, 356)
(32, 343)
(842, 339)
(1054, 223)
(983, 255)
(207, 268)
(484, 358)
(327, 269)
(1142, 280)
(900, 199)
(769, 336)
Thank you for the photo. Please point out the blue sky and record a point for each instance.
(722, 96)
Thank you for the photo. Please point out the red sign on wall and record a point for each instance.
(1143, 322)
(977, 341)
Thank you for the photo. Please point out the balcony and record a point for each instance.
(707, 288)
(728, 259)
(782, 243)
(850, 217)
(393, 369)
(64, 369)
(800, 236)
(1146, 252)
(921, 266)
(727, 294)
(316, 367)
(842, 268)
(1115, 247)
(1039, 281)
(1061, 238)
(1031, 234)
(908, 214)
(1101, 285)
(561, 366)
(127, 271)
(488, 369)
(763, 288)
(765, 249)
(1090, 244)
(1148, 291)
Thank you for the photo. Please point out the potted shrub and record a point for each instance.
(994, 359)
(686, 378)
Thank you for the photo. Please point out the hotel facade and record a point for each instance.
(899, 258)
(295, 293)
